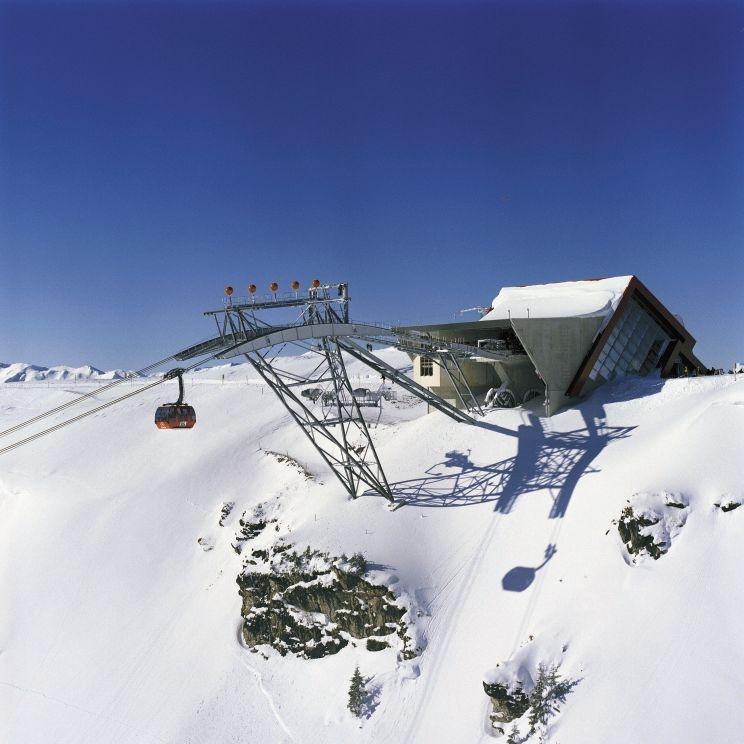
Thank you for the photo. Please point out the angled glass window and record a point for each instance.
(635, 346)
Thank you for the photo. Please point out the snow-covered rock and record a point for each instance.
(312, 604)
(649, 523)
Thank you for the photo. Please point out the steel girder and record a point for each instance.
(341, 435)
(338, 432)
(404, 381)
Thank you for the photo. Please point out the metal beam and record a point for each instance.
(334, 422)
(305, 332)
(332, 437)
(404, 381)
(448, 362)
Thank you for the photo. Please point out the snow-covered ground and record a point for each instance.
(117, 626)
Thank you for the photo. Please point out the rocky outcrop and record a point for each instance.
(251, 526)
(650, 522)
(508, 702)
(375, 645)
(728, 504)
(285, 459)
(312, 605)
(227, 508)
(631, 527)
(520, 685)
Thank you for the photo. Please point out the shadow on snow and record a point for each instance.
(520, 578)
(545, 460)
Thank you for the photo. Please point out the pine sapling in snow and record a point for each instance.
(547, 696)
(357, 693)
(514, 736)
(358, 563)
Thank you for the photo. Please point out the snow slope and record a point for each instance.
(116, 626)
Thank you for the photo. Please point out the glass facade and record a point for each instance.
(634, 347)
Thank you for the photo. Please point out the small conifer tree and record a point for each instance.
(358, 563)
(548, 694)
(357, 693)
(514, 735)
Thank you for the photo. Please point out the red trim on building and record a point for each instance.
(681, 349)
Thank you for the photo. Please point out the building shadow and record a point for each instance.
(520, 578)
(545, 461)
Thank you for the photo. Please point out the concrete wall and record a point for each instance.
(438, 382)
(518, 372)
(556, 346)
(480, 376)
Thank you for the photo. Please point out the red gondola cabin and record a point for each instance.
(174, 416)
(178, 415)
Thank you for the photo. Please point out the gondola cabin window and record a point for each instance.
(426, 367)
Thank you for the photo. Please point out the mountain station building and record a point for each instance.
(562, 341)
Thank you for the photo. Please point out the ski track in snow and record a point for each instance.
(28, 690)
(72, 706)
(259, 682)
(433, 679)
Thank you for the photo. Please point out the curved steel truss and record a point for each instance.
(334, 422)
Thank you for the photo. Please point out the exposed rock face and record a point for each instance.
(508, 703)
(728, 505)
(251, 527)
(650, 522)
(227, 507)
(312, 605)
(374, 645)
(631, 526)
(518, 686)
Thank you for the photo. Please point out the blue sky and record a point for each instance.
(427, 153)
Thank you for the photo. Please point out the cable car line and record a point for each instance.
(62, 424)
(179, 372)
(93, 393)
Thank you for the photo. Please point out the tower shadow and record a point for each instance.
(545, 461)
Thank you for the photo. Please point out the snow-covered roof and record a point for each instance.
(589, 297)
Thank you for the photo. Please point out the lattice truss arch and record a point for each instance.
(340, 433)
(334, 423)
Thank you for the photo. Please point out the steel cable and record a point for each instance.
(62, 424)
(93, 393)
(104, 405)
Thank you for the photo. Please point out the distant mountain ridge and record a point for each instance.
(22, 372)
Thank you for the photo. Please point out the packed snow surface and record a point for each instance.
(116, 625)
(559, 300)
